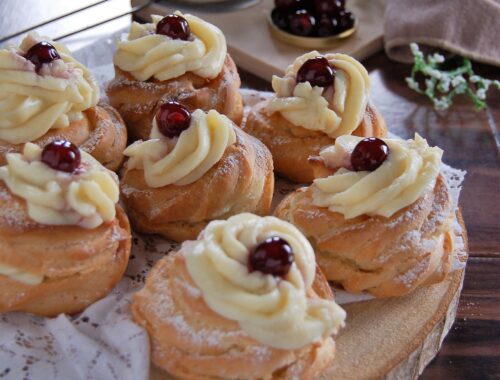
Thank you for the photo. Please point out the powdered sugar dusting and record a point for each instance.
(164, 306)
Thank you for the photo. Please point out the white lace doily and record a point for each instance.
(103, 342)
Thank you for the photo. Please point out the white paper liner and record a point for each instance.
(103, 342)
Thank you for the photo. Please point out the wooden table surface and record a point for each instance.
(469, 139)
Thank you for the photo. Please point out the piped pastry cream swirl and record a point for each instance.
(146, 55)
(274, 311)
(336, 110)
(86, 198)
(186, 159)
(410, 170)
(32, 103)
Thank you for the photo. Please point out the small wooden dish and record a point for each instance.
(309, 42)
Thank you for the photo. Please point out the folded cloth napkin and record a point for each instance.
(470, 28)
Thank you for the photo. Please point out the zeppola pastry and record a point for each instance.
(175, 58)
(379, 214)
(243, 301)
(319, 99)
(64, 242)
(195, 168)
(46, 95)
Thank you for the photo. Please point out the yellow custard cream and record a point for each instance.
(183, 160)
(146, 55)
(32, 103)
(274, 311)
(409, 171)
(86, 198)
(336, 110)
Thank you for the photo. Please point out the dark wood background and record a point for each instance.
(470, 139)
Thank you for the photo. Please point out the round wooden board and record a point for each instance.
(393, 338)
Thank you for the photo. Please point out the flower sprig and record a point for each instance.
(441, 86)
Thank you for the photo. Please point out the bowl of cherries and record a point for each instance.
(311, 23)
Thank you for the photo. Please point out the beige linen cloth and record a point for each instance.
(470, 28)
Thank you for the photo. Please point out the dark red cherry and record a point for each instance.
(302, 23)
(172, 119)
(273, 256)
(61, 155)
(280, 18)
(317, 71)
(174, 26)
(327, 26)
(369, 154)
(41, 53)
(347, 20)
(328, 6)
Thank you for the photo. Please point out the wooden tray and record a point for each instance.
(254, 49)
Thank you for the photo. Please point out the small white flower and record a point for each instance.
(412, 83)
(429, 83)
(458, 80)
(433, 72)
(414, 48)
(474, 79)
(442, 104)
(481, 93)
(444, 85)
(438, 58)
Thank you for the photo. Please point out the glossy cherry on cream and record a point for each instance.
(61, 155)
(41, 53)
(369, 154)
(317, 71)
(274, 256)
(174, 26)
(172, 119)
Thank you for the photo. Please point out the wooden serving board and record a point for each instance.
(393, 338)
(254, 49)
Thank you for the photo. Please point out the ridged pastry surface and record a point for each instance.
(190, 341)
(291, 146)
(74, 266)
(138, 102)
(241, 181)
(382, 256)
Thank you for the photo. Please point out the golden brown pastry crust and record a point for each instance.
(383, 256)
(242, 181)
(138, 102)
(101, 133)
(291, 146)
(190, 341)
(80, 265)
